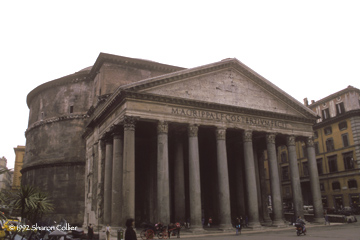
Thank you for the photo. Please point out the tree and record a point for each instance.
(31, 202)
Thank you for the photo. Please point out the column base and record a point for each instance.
(278, 223)
(226, 227)
(318, 221)
(254, 225)
(196, 229)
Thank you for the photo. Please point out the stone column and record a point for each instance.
(263, 193)
(314, 182)
(128, 193)
(117, 174)
(295, 178)
(179, 179)
(223, 180)
(194, 180)
(276, 197)
(240, 186)
(250, 176)
(163, 187)
(108, 180)
(101, 180)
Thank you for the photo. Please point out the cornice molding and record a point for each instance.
(333, 120)
(130, 62)
(50, 165)
(56, 119)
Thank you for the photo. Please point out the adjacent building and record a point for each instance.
(131, 138)
(19, 160)
(6, 177)
(337, 149)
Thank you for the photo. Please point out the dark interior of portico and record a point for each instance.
(146, 167)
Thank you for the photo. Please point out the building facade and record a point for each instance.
(5, 178)
(19, 160)
(163, 143)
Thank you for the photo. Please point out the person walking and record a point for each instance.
(90, 232)
(238, 226)
(326, 219)
(130, 233)
(108, 231)
(210, 222)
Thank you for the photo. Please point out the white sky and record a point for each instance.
(307, 48)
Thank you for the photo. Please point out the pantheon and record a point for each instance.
(132, 138)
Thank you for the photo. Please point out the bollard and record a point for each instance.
(120, 234)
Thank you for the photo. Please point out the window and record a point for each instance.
(319, 165)
(336, 186)
(304, 149)
(316, 134)
(329, 145)
(348, 161)
(328, 130)
(285, 173)
(306, 169)
(345, 140)
(283, 157)
(340, 109)
(325, 113)
(71, 109)
(343, 125)
(316, 146)
(352, 184)
(332, 160)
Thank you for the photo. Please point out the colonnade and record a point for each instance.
(119, 177)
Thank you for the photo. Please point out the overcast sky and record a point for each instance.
(307, 48)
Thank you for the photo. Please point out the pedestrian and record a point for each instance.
(203, 221)
(238, 226)
(108, 231)
(130, 234)
(246, 221)
(90, 232)
(326, 219)
(210, 222)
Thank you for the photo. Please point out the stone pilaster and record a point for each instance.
(223, 180)
(163, 187)
(108, 180)
(295, 178)
(314, 182)
(250, 176)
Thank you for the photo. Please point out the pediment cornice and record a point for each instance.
(225, 64)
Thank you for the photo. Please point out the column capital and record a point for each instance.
(290, 140)
(220, 133)
(129, 123)
(162, 127)
(193, 130)
(270, 138)
(247, 136)
(310, 142)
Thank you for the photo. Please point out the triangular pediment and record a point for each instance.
(227, 82)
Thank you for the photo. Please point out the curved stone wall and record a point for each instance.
(55, 150)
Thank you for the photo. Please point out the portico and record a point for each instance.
(190, 145)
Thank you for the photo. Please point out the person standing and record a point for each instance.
(90, 232)
(326, 219)
(238, 226)
(210, 222)
(130, 233)
(108, 231)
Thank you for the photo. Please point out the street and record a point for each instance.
(349, 231)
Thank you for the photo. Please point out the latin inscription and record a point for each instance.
(233, 118)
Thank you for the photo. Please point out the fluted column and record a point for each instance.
(295, 178)
(163, 194)
(223, 180)
(108, 180)
(128, 193)
(250, 175)
(117, 174)
(179, 180)
(194, 179)
(274, 181)
(314, 182)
